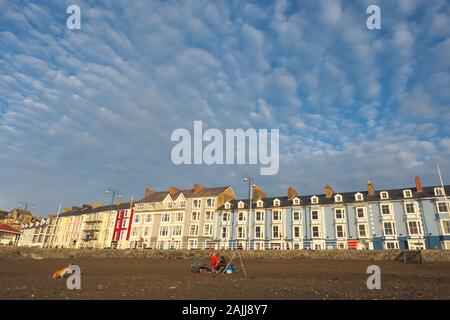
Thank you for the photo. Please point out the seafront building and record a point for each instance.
(212, 218)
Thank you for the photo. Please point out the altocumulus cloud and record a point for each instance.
(85, 109)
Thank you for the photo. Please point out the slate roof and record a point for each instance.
(80, 211)
(188, 193)
(347, 197)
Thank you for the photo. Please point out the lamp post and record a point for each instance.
(250, 181)
(113, 193)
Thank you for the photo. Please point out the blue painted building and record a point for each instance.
(411, 218)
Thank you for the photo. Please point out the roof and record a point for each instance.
(8, 229)
(347, 197)
(188, 193)
(87, 210)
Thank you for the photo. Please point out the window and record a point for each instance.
(241, 216)
(385, 209)
(210, 202)
(359, 197)
(391, 245)
(193, 230)
(389, 228)
(195, 216)
(137, 218)
(148, 218)
(209, 215)
(226, 217)
(182, 204)
(340, 231)
(241, 232)
(193, 243)
(259, 216)
(315, 232)
(122, 235)
(276, 215)
(276, 203)
(124, 223)
(227, 205)
(258, 232)
(296, 216)
(165, 217)
(414, 228)
(197, 203)
(339, 213)
(362, 230)
(409, 207)
(240, 204)
(259, 203)
(407, 193)
(384, 195)
(164, 231)
(207, 229)
(446, 227)
(338, 198)
(297, 233)
(179, 216)
(360, 214)
(314, 200)
(275, 232)
(176, 231)
(296, 201)
(441, 207)
(315, 215)
(224, 233)
(438, 192)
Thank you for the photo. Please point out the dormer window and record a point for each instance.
(276, 203)
(338, 198)
(359, 197)
(438, 191)
(259, 203)
(296, 201)
(384, 195)
(314, 200)
(227, 205)
(240, 204)
(407, 193)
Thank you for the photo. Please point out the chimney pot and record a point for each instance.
(328, 191)
(370, 188)
(148, 192)
(418, 184)
(292, 193)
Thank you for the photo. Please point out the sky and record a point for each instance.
(84, 110)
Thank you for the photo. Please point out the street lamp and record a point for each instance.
(251, 185)
(25, 205)
(113, 193)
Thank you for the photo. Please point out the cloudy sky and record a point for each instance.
(86, 109)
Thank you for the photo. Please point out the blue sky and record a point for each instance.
(86, 109)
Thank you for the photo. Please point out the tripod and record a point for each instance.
(238, 254)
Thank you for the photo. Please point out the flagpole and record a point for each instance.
(443, 188)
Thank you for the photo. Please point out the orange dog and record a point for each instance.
(59, 273)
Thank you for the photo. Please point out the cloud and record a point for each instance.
(87, 109)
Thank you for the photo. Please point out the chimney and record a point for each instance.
(75, 208)
(328, 191)
(173, 190)
(86, 206)
(148, 192)
(96, 205)
(197, 187)
(418, 184)
(370, 188)
(258, 193)
(67, 209)
(119, 202)
(292, 193)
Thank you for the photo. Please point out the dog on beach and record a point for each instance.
(60, 273)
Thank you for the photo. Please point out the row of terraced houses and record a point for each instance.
(212, 218)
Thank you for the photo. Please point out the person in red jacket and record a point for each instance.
(214, 261)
